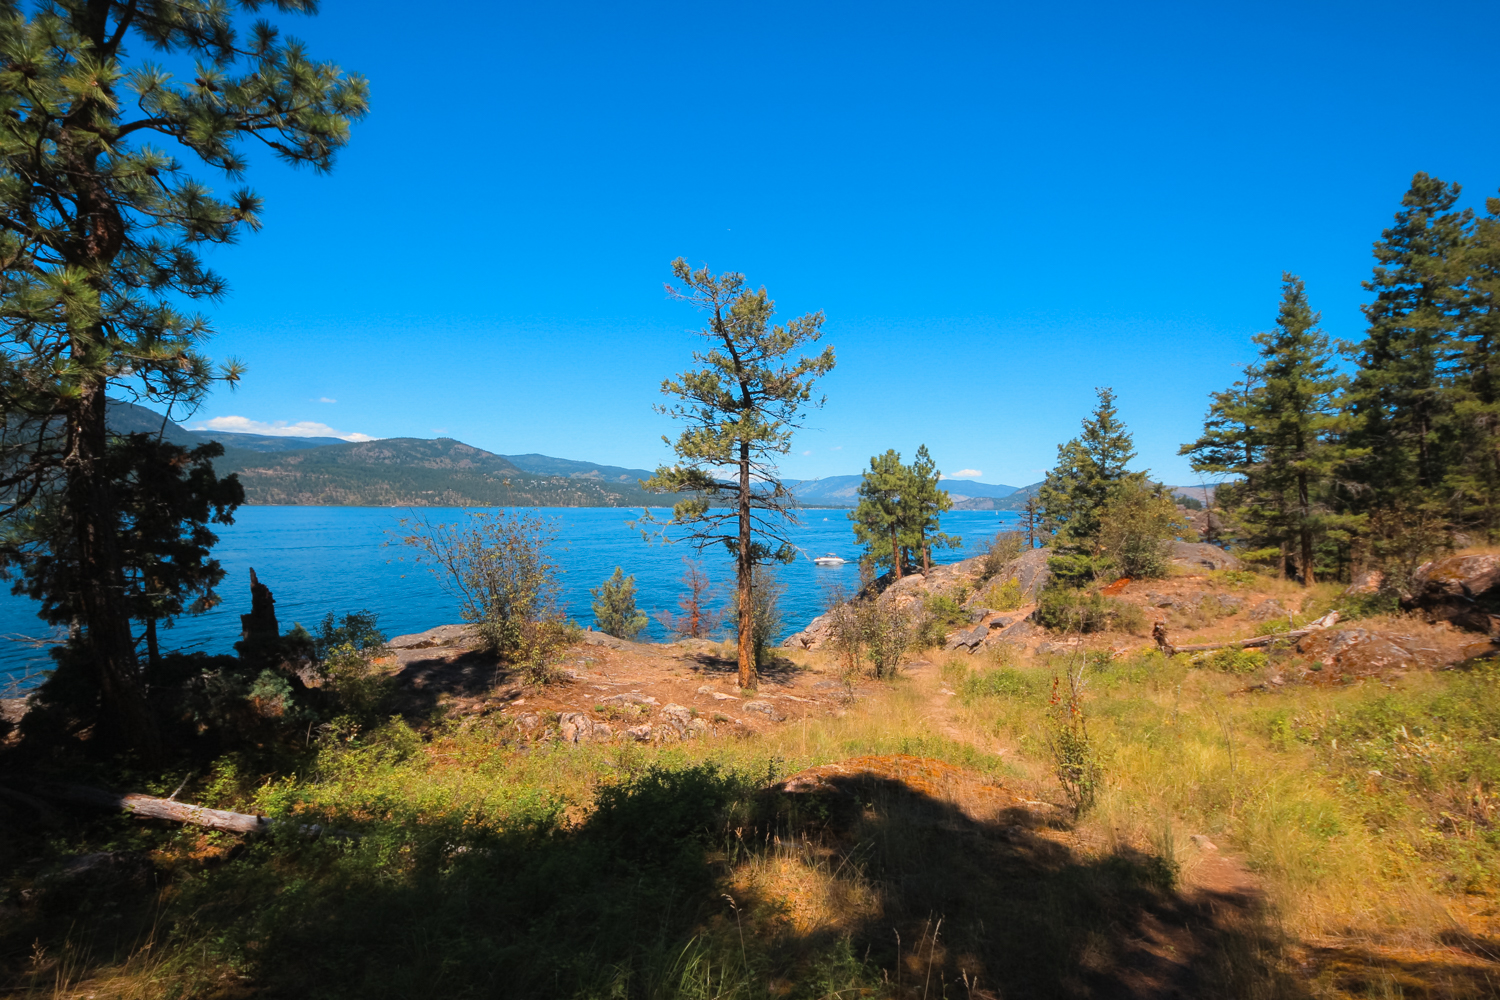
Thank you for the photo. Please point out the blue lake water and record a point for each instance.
(342, 559)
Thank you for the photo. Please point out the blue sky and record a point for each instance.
(999, 207)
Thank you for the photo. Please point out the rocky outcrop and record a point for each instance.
(1029, 570)
(434, 638)
(1463, 590)
(1202, 556)
(1364, 652)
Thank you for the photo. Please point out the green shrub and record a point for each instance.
(614, 607)
(1003, 549)
(1004, 596)
(1004, 682)
(1232, 660)
(1136, 528)
(1355, 606)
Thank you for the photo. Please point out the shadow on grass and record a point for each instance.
(651, 896)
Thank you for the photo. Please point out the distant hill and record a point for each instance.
(965, 488)
(831, 491)
(265, 442)
(547, 466)
(843, 491)
(399, 472)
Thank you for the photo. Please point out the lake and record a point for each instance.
(342, 559)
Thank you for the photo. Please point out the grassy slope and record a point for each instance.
(487, 866)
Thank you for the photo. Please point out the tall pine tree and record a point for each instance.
(100, 238)
(1398, 395)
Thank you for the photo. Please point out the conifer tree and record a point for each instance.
(878, 518)
(741, 407)
(923, 503)
(614, 606)
(100, 230)
(1474, 482)
(1398, 394)
(1282, 431)
(1300, 422)
(1088, 469)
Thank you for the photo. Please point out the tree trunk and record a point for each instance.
(1281, 571)
(895, 554)
(153, 651)
(124, 718)
(1305, 531)
(746, 567)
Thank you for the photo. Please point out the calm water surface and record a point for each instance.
(342, 559)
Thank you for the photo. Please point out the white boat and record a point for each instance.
(829, 559)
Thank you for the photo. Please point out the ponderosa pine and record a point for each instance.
(100, 230)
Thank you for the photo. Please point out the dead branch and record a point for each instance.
(1326, 621)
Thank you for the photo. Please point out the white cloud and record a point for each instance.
(837, 447)
(965, 474)
(276, 428)
(807, 453)
(324, 399)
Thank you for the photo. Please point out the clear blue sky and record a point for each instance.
(999, 207)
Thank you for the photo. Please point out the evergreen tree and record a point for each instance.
(878, 518)
(1398, 396)
(614, 606)
(100, 230)
(922, 505)
(1282, 432)
(1474, 481)
(166, 496)
(741, 408)
(1087, 472)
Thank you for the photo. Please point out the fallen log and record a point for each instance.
(150, 807)
(1326, 621)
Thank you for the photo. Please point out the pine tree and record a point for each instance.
(1300, 422)
(741, 407)
(923, 503)
(614, 606)
(1282, 432)
(1474, 482)
(1398, 396)
(878, 518)
(100, 236)
(1087, 471)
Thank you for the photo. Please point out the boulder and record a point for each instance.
(443, 635)
(1361, 651)
(1463, 590)
(1267, 609)
(765, 708)
(1201, 556)
(576, 727)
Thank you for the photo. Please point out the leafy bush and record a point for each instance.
(1191, 503)
(1237, 578)
(614, 607)
(1127, 617)
(889, 632)
(498, 567)
(1004, 548)
(1004, 596)
(1066, 610)
(1136, 528)
(1355, 606)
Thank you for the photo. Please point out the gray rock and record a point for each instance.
(631, 698)
(576, 727)
(679, 717)
(606, 640)
(640, 733)
(765, 708)
(443, 635)
(1203, 556)
(1267, 609)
